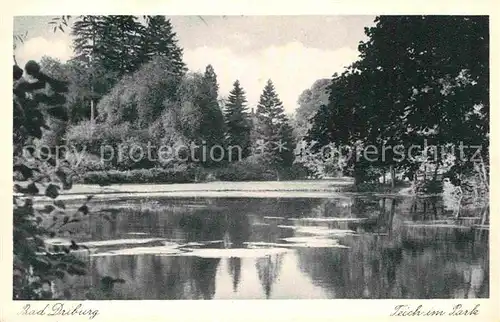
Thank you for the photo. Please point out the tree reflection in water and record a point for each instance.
(234, 265)
(386, 258)
(420, 262)
(203, 271)
(268, 269)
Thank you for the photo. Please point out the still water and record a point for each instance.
(283, 248)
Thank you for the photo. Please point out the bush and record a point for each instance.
(430, 187)
(249, 169)
(364, 173)
(140, 96)
(35, 269)
(295, 172)
(84, 162)
(376, 187)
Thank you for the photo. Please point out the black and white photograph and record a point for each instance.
(240, 157)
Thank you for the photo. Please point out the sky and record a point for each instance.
(293, 51)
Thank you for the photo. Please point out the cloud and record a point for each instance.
(292, 68)
(36, 48)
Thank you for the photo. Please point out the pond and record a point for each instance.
(355, 247)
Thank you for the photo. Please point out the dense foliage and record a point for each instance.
(38, 265)
(409, 87)
(36, 268)
(147, 97)
(419, 80)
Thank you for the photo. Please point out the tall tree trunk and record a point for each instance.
(92, 116)
(485, 174)
(436, 172)
(391, 214)
(393, 174)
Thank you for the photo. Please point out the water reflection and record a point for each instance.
(389, 250)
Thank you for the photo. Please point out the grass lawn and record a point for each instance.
(303, 188)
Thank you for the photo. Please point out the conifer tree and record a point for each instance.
(159, 39)
(273, 131)
(212, 123)
(237, 120)
(122, 44)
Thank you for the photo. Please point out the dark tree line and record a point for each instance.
(418, 78)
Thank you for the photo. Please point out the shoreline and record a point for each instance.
(326, 188)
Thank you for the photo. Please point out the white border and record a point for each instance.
(270, 310)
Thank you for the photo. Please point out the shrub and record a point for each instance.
(430, 187)
(34, 268)
(140, 97)
(295, 172)
(86, 134)
(249, 169)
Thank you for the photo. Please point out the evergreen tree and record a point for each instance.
(122, 34)
(273, 131)
(159, 39)
(89, 43)
(287, 143)
(212, 123)
(118, 45)
(112, 41)
(237, 120)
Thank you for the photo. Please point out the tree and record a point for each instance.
(310, 100)
(212, 123)
(36, 264)
(140, 98)
(420, 79)
(159, 39)
(237, 120)
(89, 45)
(80, 78)
(438, 83)
(117, 45)
(54, 134)
(88, 84)
(274, 134)
(122, 36)
(111, 40)
(107, 46)
(34, 267)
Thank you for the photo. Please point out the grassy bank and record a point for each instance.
(379, 187)
(257, 189)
